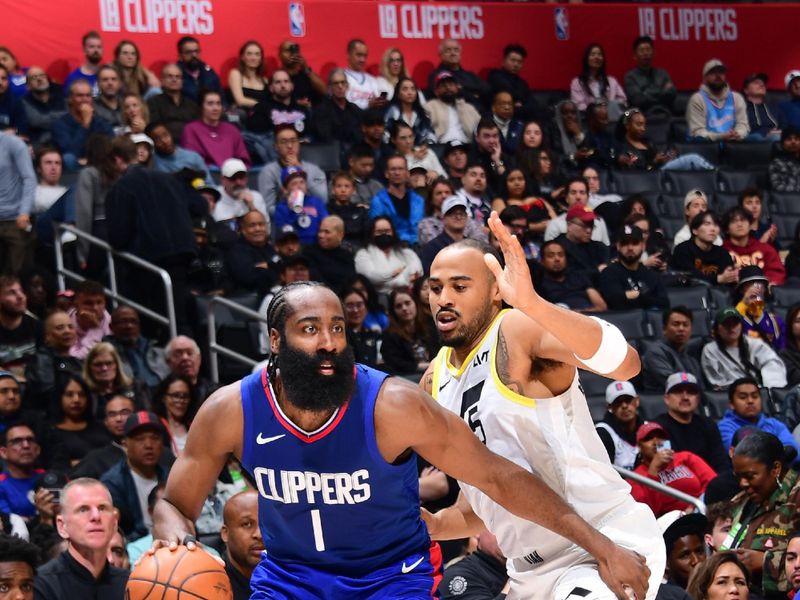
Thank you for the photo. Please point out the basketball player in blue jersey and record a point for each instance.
(511, 375)
(331, 446)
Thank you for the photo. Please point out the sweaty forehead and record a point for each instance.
(459, 261)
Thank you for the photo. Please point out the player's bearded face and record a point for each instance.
(317, 382)
(465, 331)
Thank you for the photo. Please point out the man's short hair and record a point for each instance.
(718, 511)
(107, 67)
(698, 219)
(284, 127)
(474, 164)
(578, 179)
(334, 73)
(681, 310)
(549, 243)
(89, 287)
(14, 549)
(396, 156)
(372, 117)
(749, 192)
(90, 35)
(75, 83)
(732, 213)
(740, 381)
(14, 425)
(40, 153)
(168, 348)
(642, 39)
(82, 482)
(123, 147)
(185, 40)
(342, 175)
(151, 127)
(512, 213)
(6, 281)
(486, 123)
(515, 49)
(351, 45)
(360, 150)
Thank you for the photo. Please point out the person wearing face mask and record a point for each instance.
(753, 293)
(384, 262)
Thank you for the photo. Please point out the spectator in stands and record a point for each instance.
(791, 351)
(507, 79)
(243, 544)
(106, 376)
(433, 225)
(454, 218)
(364, 340)
(752, 294)
(292, 268)
(132, 479)
(618, 428)
(530, 144)
(596, 195)
(763, 124)
(700, 257)
(384, 262)
(408, 344)
(694, 203)
(391, 68)
(51, 361)
(480, 574)
(210, 136)
(474, 188)
(537, 211)
(406, 107)
(784, 168)
(171, 158)
(363, 89)
(88, 522)
(789, 110)
(594, 85)
(373, 130)
(20, 451)
(688, 429)
(183, 357)
(751, 199)
(335, 118)
(583, 254)
(252, 261)
(681, 470)
(287, 243)
(44, 104)
(12, 113)
(404, 207)
(140, 356)
(108, 102)
(455, 159)
(568, 136)
(16, 75)
(361, 164)
(236, 198)
(332, 263)
(510, 127)
(18, 562)
(648, 88)
(716, 113)
(89, 317)
(669, 354)
(197, 75)
(277, 108)
(683, 540)
(20, 333)
(172, 107)
(599, 142)
(303, 211)
(792, 563)
(93, 56)
(732, 355)
(746, 250)
(488, 152)
(309, 87)
(135, 114)
(136, 79)
(453, 118)
(11, 410)
(354, 215)
(402, 138)
(72, 130)
(39, 286)
(175, 401)
(565, 286)
(16, 203)
(247, 81)
(468, 84)
(577, 194)
(723, 575)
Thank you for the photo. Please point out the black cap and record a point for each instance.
(630, 232)
(455, 145)
(751, 273)
(693, 523)
(753, 77)
(293, 260)
(141, 420)
(286, 232)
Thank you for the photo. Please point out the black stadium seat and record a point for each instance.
(593, 384)
(597, 406)
(681, 182)
(651, 405)
(672, 205)
(708, 150)
(670, 226)
(693, 298)
(786, 227)
(633, 182)
(784, 203)
(630, 322)
(786, 296)
(749, 155)
(325, 156)
(735, 181)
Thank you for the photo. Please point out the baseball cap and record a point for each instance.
(452, 202)
(286, 232)
(291, 171)
(632, 232)
(751, 273)
(754, 77)
(293, 260)
(580, 211)
(8, 375)
(680, 378)
(442, 76)
(232, 166)
(454, 145)
(142, 419)
(647, 429)
(616, 389)
(693, 195)
(200, 185)
(791, 76)
(714, 63)
(723, 314)
(140, 138)
(418, 169)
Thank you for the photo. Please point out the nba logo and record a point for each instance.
(562, 23)
(297, 19)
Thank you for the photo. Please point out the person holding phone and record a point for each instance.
(682, 471)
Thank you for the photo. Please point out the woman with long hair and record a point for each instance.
(546, 182)
(392, 68)
(595, 85)
(135, 114)
(432, 225)
(384, 261)
(376, 318)
(406, 107)
(408, 344)
(175, 401)
(135, 78)
(515, 191)
(247, 81)
(402, 138)
(104, 373)
(722, 576)
(531, 141)
(363, 340)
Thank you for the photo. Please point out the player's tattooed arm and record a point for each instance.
(502, 363)
(426, 383)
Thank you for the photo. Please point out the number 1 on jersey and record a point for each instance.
(316, 525)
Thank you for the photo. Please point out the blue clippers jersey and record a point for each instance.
(328, 499)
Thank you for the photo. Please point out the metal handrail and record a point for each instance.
(214, 349)
(696, 502)
(111, 254)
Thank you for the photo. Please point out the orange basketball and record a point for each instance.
(179, 575)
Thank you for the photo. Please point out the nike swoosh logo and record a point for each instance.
(413, 565)
(444, 385)
(262, 440)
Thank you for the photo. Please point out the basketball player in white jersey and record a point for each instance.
(512, 376)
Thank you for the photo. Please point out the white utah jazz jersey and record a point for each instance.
(551, 437)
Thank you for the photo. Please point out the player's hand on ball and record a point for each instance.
(626, 573)
(514, 280)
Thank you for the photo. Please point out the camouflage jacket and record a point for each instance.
(767, 529)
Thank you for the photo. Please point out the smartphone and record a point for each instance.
(665, 445)
(56, 492)
(294, 49)
(384, 95)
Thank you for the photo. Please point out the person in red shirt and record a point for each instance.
(746, 250)
(682, 471)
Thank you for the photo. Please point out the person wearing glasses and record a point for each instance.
(197, 75)
(98, 461)
(335, 117)
(176, 402)
(20, 451)
(172, 107)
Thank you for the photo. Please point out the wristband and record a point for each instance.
(612, 350)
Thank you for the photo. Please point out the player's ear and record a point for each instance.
(274, 341)
(223, 534)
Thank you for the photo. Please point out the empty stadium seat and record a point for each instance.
(786, 296)
(784, 203)
(680, 182)
(597, 407)
(593, 384)
(678, 131)
(720, 297)
(670, 226)
(325, 156)
(630, 322)
(749, 155)
(786, 227)
(694, 297)
(651, 405)
(708, 150)
(718, 402)
(735, 181)
(672, 205)
(633, 182)
(658, 132)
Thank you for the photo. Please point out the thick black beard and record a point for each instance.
(306, 388)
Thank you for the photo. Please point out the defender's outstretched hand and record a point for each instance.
(514, 280)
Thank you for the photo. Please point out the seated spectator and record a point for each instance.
(297, 208)
(248, 81)
(108, 103)
(531, 141)
(20, 333)
(392, 67)
(683, 540)
(376, 315)
(746, 250)
(135, 116)
(171, 158)
(402, 138)
(52, 359)
(599, 140)
(784, 168)
(74, 432)
(137, 548)
(328, 258)
(172, 107)
(12, 112)
(716, 113)
(99, 460)
(360, 166)
(20, 451)
(789, 110)
(627, 284)
(11, 411)
(184, 358)
(515, 220)
(243, 544)
(751, 199)
(89, 317)
(594, 85)
(354, 215)
(689, 430)
(136, 79)
(363, 90)
(454, 218)
(682, 471)
(483, 572)
(596, 195)
(648, 88)
(694, 203)
(132, 479)
(763, 124)
(43, 104)
(568, 136)
(373, 131)
(19, 560)
(583, 253)
(516, 192)
(175, 401)
(792, 565)
(564, 286)
(453, 118)
(278, 108)
(510, 127)
(336, 118)
(287, 145)
(16, 74)
(118, 552)
(72, 130)
(384, 262)
(93, 57)
(209, 274)
(669, 355)
(251, 260)
(700, 257)
(577, 194)
(236, 198)
(408, 345)
(468, 84)
(488, 152)
(103, 371)
(732, 355)
(211, 137)
(197, 75)
(364, 341)
(140, 356)
(752, 293)
(406, 107)
(618, 428)
(292, 268)
(397, 202)
(723, 573)
(455, 161)
(475, 189)
(791, 351)
(508, 79)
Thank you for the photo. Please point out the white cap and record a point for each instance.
(453, 201)
(140, 138)
(232, 166)
(616, 389)
(791, 76)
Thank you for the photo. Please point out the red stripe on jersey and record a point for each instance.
(436, 561)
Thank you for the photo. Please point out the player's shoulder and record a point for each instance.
(519, 327)
(223, 400)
